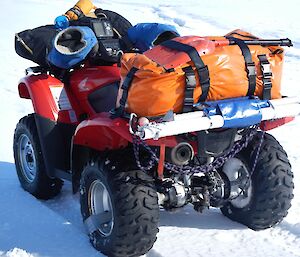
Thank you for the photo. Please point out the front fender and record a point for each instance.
(44, 91)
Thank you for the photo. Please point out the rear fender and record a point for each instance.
(102, 133)
(272, 124)
(99, 134)
(94, 136)
(43, 90)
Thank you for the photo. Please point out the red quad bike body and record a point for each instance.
(123, 179)
(66, 110)
(67, 121)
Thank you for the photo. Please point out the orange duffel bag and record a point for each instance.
(186, 70)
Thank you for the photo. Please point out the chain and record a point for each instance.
(258, 152)
(246, 184)
(136, 149)
(217, 163)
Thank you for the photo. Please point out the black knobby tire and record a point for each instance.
(135, 210)
(272, 186)
(38, 183)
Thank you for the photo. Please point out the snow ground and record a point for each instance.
(32, 228)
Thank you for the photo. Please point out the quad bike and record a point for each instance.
(126, 168)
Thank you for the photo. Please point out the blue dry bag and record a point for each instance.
(71, 46)
(145, 35)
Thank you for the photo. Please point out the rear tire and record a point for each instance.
(132, 204)
(29, 161)
(271, 186)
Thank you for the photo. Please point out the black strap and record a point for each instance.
(77, 11)
(189, 89)
(267, 75)
(119, 112)
(250, 65)
(201, 68)
(126, 85)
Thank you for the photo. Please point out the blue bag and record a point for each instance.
(237, 112)
(71, 46)
(145, 35)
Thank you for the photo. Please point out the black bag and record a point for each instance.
(108, 49)
(120, 24)
(35, 44)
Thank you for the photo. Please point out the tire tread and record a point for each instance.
(136, 212)
(42, 187)
(273, 187)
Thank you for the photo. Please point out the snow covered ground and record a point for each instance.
(29, 227)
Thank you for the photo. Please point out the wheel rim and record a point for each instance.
(27, 158)
(99, 203)
(240, 183)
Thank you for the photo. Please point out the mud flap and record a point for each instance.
(55, 140)
(94, 222)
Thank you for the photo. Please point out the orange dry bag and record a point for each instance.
(186, 70)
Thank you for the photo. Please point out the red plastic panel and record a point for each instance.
(46, 93)
(38, 89)
(272, 124)
(103, 133)
(86, 80)
(23, 91)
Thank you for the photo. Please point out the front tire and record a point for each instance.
(128, 204)
(270, 191)
(29, 161)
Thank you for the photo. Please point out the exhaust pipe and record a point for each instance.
(181, 154)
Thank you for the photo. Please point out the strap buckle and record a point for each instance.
(266, 70)
(203, 75)
(267, 83)
(189, 101)
(191, 83)
(190, 78)
(265, 65)
(250, 67)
